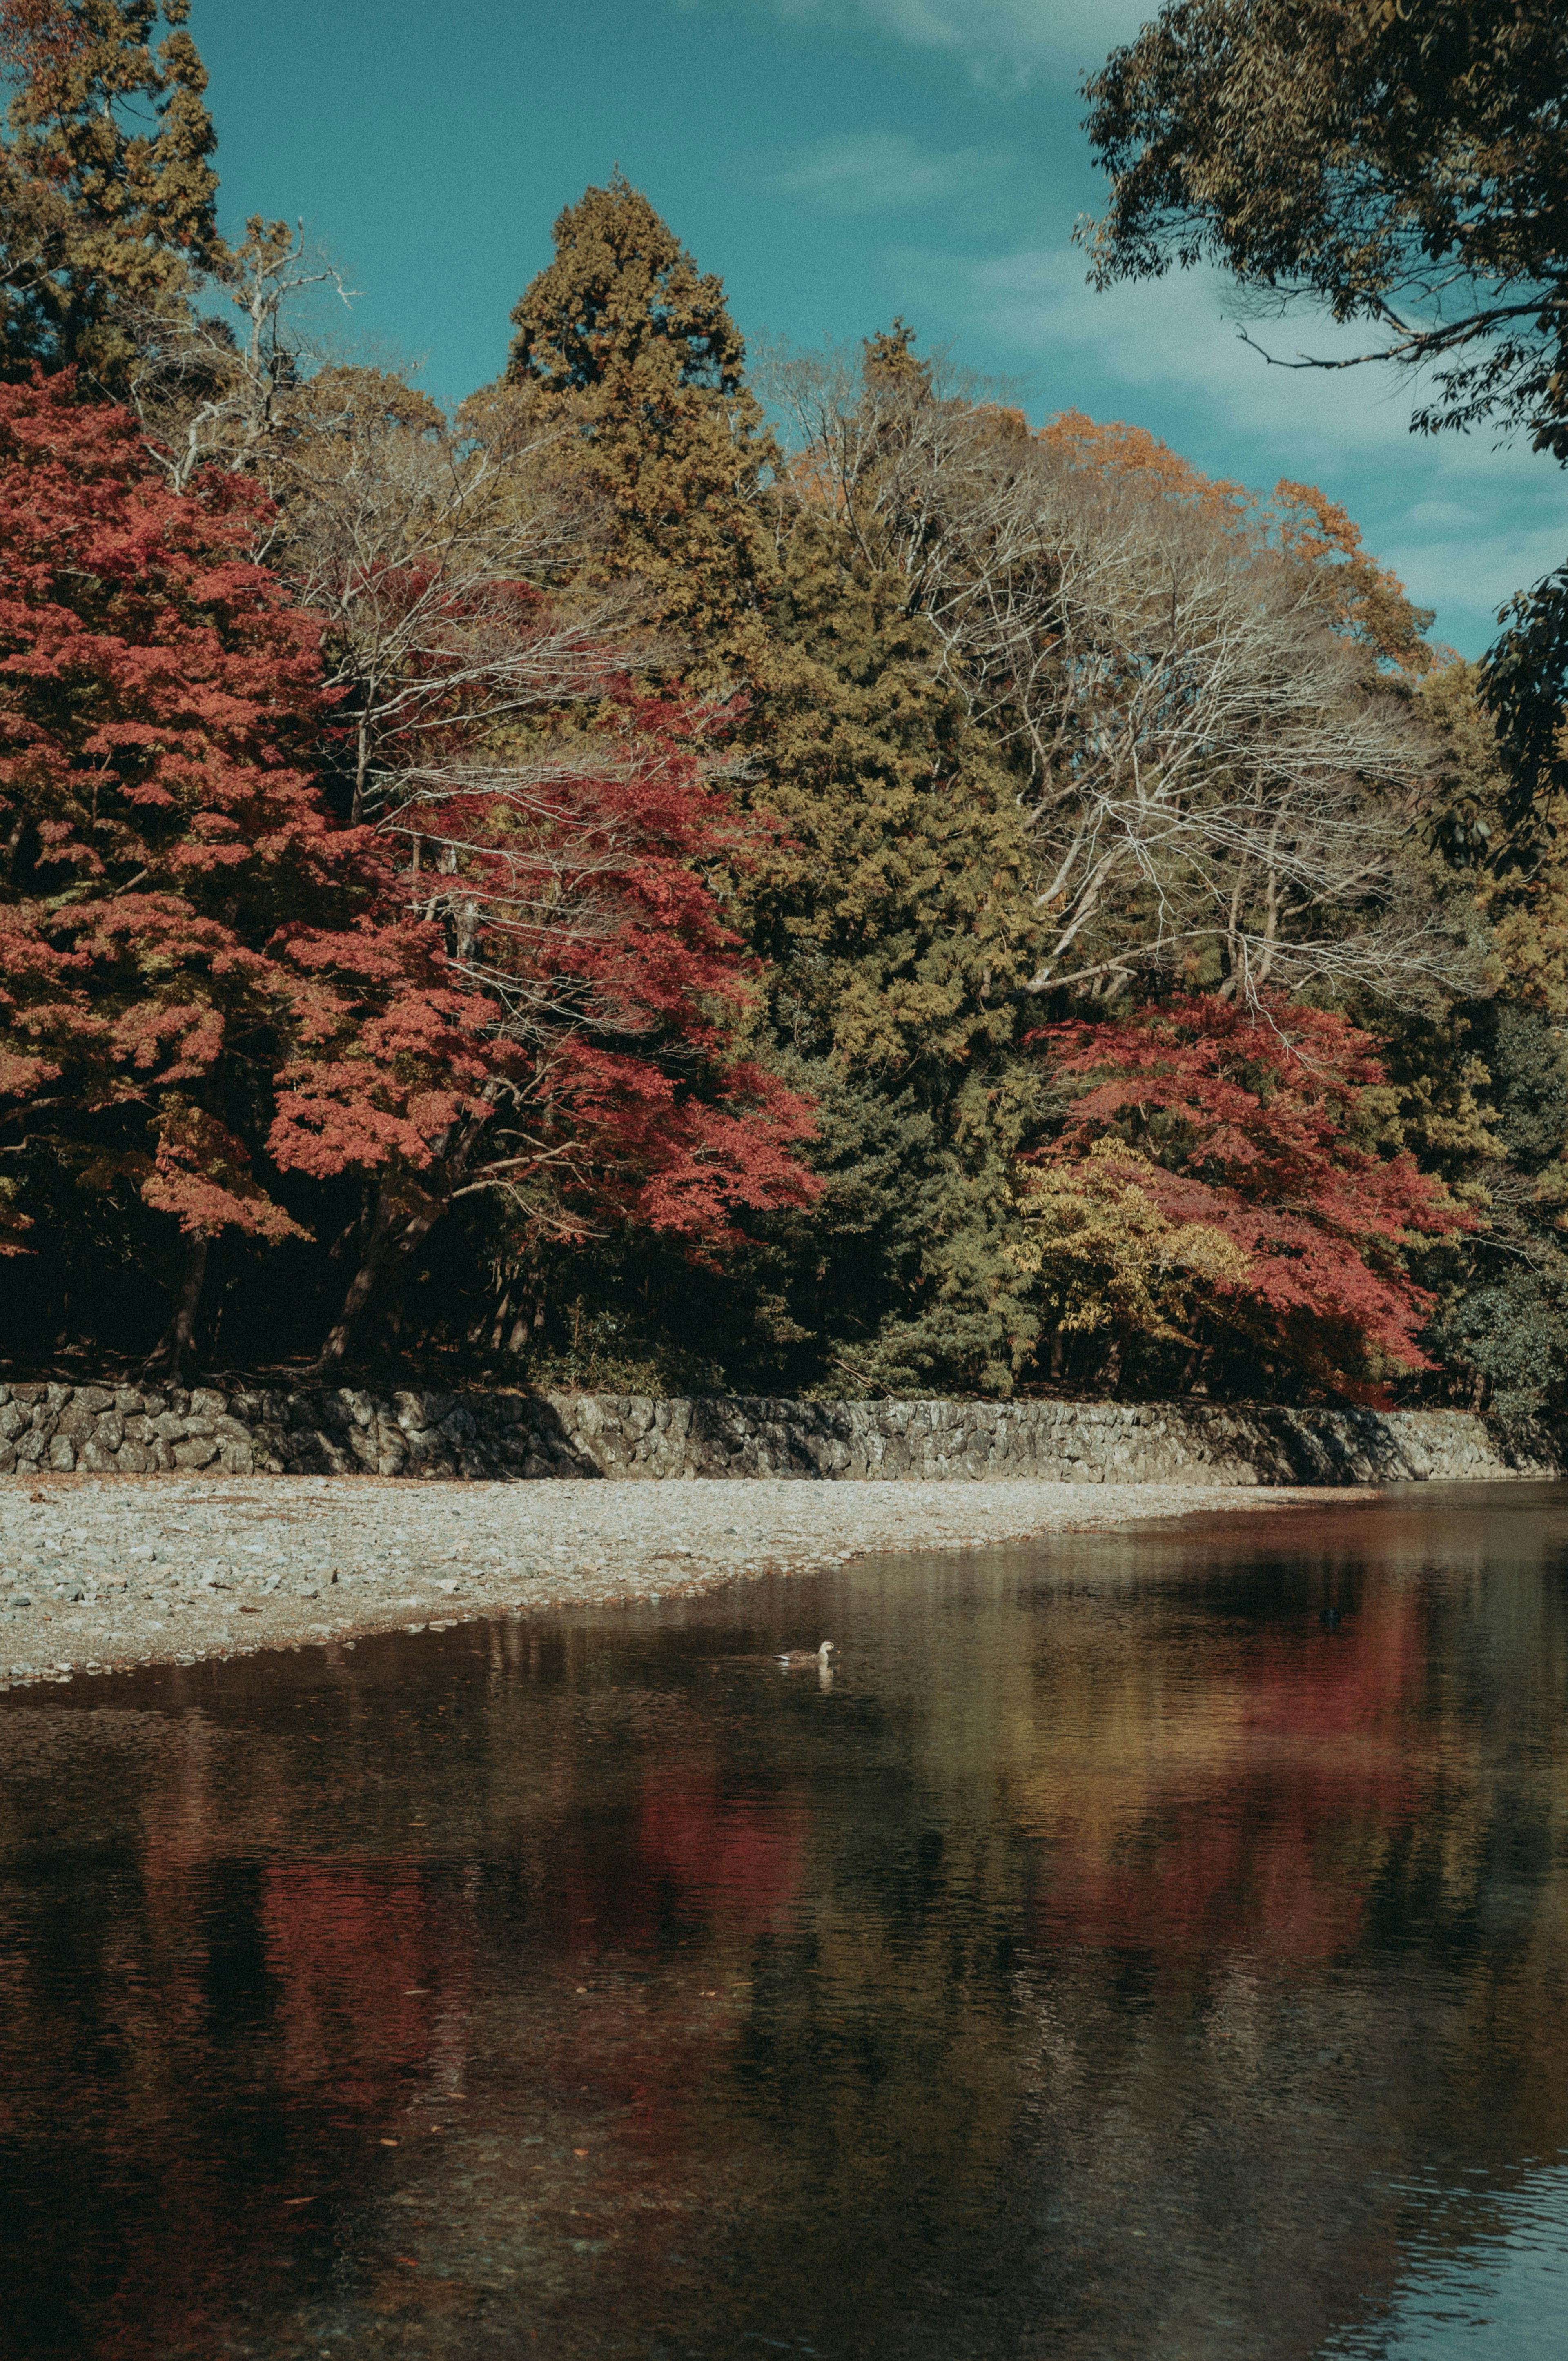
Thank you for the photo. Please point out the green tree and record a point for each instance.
(103, 219)
(632, 348)
(1488, 1090)
(888, 908)
(894, 921)
(1401, 165)
(886, 904)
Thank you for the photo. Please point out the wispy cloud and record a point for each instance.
(1013, 39)
(1181, 338)
(874, 171)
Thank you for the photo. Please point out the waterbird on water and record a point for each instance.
(818, 1656)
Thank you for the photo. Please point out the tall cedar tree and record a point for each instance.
(634, 351)
(1268, 1128)
(201, 975)
(888, 908)
(894, 917)
(102, 217)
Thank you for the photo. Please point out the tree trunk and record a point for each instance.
(167, 1356)
(529, 1324)
(361, 769)
(396, 1234)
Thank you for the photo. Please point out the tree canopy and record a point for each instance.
(1403, 167)
(779, 876)
(102, 218)
(635, 355)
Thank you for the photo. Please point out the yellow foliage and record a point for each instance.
(1105, 1255)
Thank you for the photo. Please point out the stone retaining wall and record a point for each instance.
(138, 1430)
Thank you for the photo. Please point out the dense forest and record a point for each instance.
(768, 873)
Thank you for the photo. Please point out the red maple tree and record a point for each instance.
(205, 980)
(179, 914)
(1269, 1125)
(568, 875)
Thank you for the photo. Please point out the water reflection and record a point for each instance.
(1111, 1960)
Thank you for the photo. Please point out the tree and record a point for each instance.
(1220, 786)
(231, 388)
(209, 986)
(635, 355)
(554, 823)
(1404, 167)
(427, 553)
(893, 913)
(183, 927)
(574, 909)
(102, 220)
(1501, 1322)
(1501, 1319)
(1401, 167)
(1110, 1262)
(1232, 1178)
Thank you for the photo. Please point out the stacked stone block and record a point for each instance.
(138, 1430)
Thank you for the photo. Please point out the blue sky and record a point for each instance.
(836, 161)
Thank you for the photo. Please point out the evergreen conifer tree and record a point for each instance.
(894, 918)
(102, 219)
(624, 337)
(884, 900)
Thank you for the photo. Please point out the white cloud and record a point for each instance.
(1476, 576)
(1179, 335)
(874, 171)
(1015, 38)
(1180, 340)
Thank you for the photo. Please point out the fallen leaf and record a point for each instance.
(385, 2143)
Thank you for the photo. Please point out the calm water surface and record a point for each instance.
(1113, 1960)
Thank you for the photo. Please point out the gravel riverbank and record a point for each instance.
(99, 1573)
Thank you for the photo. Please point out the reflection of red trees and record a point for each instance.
(731, 1860)
(303, 2001)
(364, 1962)
(1241, 1848)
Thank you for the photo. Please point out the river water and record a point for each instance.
(1114, 1959)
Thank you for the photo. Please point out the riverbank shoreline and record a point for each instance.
(100, 1574)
